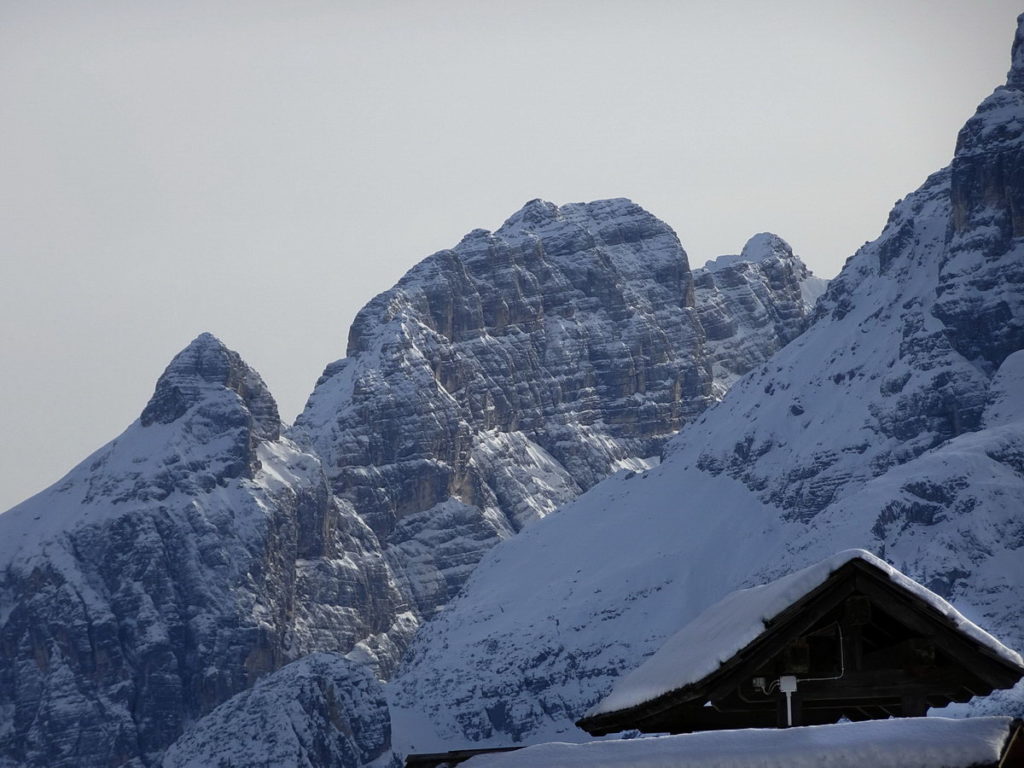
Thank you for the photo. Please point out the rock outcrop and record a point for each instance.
(319, 712)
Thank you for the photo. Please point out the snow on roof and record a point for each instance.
(901, 743)
(728, 626)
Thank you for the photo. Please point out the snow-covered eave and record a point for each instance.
(601, 720)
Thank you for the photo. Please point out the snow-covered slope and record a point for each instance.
(167, 572)
(319, 712)
(893, 424)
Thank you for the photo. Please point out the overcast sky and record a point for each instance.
(262, 169)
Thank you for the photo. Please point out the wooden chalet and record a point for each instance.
(849, 638)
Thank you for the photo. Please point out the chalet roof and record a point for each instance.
(742, 618)
(902, 743)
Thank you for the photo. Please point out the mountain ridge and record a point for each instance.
(206, 548)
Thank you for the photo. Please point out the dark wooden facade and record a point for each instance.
(860, 646)
(450, 759)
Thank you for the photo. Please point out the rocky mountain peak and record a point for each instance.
(765, 245)
(739, 295)
(196, 554)
(536, 211)
(162, 575)
(500, 377)
(759, 248)
(203, 370)
(607, 222)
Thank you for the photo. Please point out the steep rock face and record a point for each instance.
(572, 328)
(165, 573)
(987, 221)
(501, 378)
(894, 423)
(319, 712)
(753, 304)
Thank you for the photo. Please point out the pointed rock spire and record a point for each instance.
(1015, 77)
(206, 367)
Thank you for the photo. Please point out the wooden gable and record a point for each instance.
(860, 646)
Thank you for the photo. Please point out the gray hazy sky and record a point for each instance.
(262, 169)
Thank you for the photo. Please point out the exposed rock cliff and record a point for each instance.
(570, 332)
(894, 423)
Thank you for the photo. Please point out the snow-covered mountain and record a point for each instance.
(895, 423)
(169, 571)
(501, 378)
(204, 549)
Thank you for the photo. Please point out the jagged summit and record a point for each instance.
(765, 245)
(534, 212)
(500, 377)
(203, 369)
(760, 247)
(538, 213)
(570, 228)
(202, 427)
